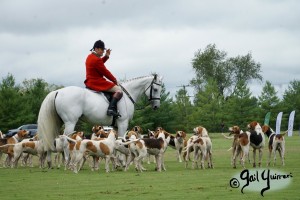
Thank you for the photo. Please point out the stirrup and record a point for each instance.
(114, 113)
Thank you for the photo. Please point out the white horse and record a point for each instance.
(68, 105)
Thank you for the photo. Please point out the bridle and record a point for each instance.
(151, 98)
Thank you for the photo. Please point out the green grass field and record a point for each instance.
(175, 183)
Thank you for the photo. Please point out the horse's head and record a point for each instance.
(153, 91)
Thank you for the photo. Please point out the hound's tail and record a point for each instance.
(283, 134)
(227, 137)
(49, 122)
(229, 149)
(68, 138)
(131, 141)
(6, 145)
(185, 149)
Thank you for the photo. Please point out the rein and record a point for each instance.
(150, 86)
(126, 92)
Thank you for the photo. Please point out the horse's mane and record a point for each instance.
(132, 79)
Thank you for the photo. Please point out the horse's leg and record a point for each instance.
(122, 127)
(69, 128)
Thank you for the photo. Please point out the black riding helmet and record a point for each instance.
(98, 44)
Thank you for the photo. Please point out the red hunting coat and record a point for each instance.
(96, 74)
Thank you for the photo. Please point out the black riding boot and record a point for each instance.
(112, 108)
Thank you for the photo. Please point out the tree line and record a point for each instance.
(222, 98)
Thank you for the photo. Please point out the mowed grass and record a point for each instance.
(175, 183)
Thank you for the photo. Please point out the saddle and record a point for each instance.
(108, 95)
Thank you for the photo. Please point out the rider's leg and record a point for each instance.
(117, 95)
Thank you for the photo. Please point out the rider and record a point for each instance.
(99, 78)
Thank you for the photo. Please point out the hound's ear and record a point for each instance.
(253, 124)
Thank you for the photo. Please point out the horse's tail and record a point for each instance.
(49, 122)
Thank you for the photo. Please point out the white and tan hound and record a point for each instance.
(202, 146)
(154, 146)
(8, 149)
(276, 143)
(200, 131)
(257, 141)
(177, 143)
(102, 148)
(240, 145)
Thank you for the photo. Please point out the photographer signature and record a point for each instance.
(260, 180)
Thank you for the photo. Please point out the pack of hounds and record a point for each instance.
(137, 148)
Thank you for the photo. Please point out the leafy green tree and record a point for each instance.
(240, 108)
(290, 102)
(243, 68)
(21, 103)
(12, 113)
(268, 102)
(183, 109)
(208, 107)
(147, 118)
(34, 91)
(227, 72)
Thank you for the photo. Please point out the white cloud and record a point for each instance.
(51, 39)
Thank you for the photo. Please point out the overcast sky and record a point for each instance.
(51, 39)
